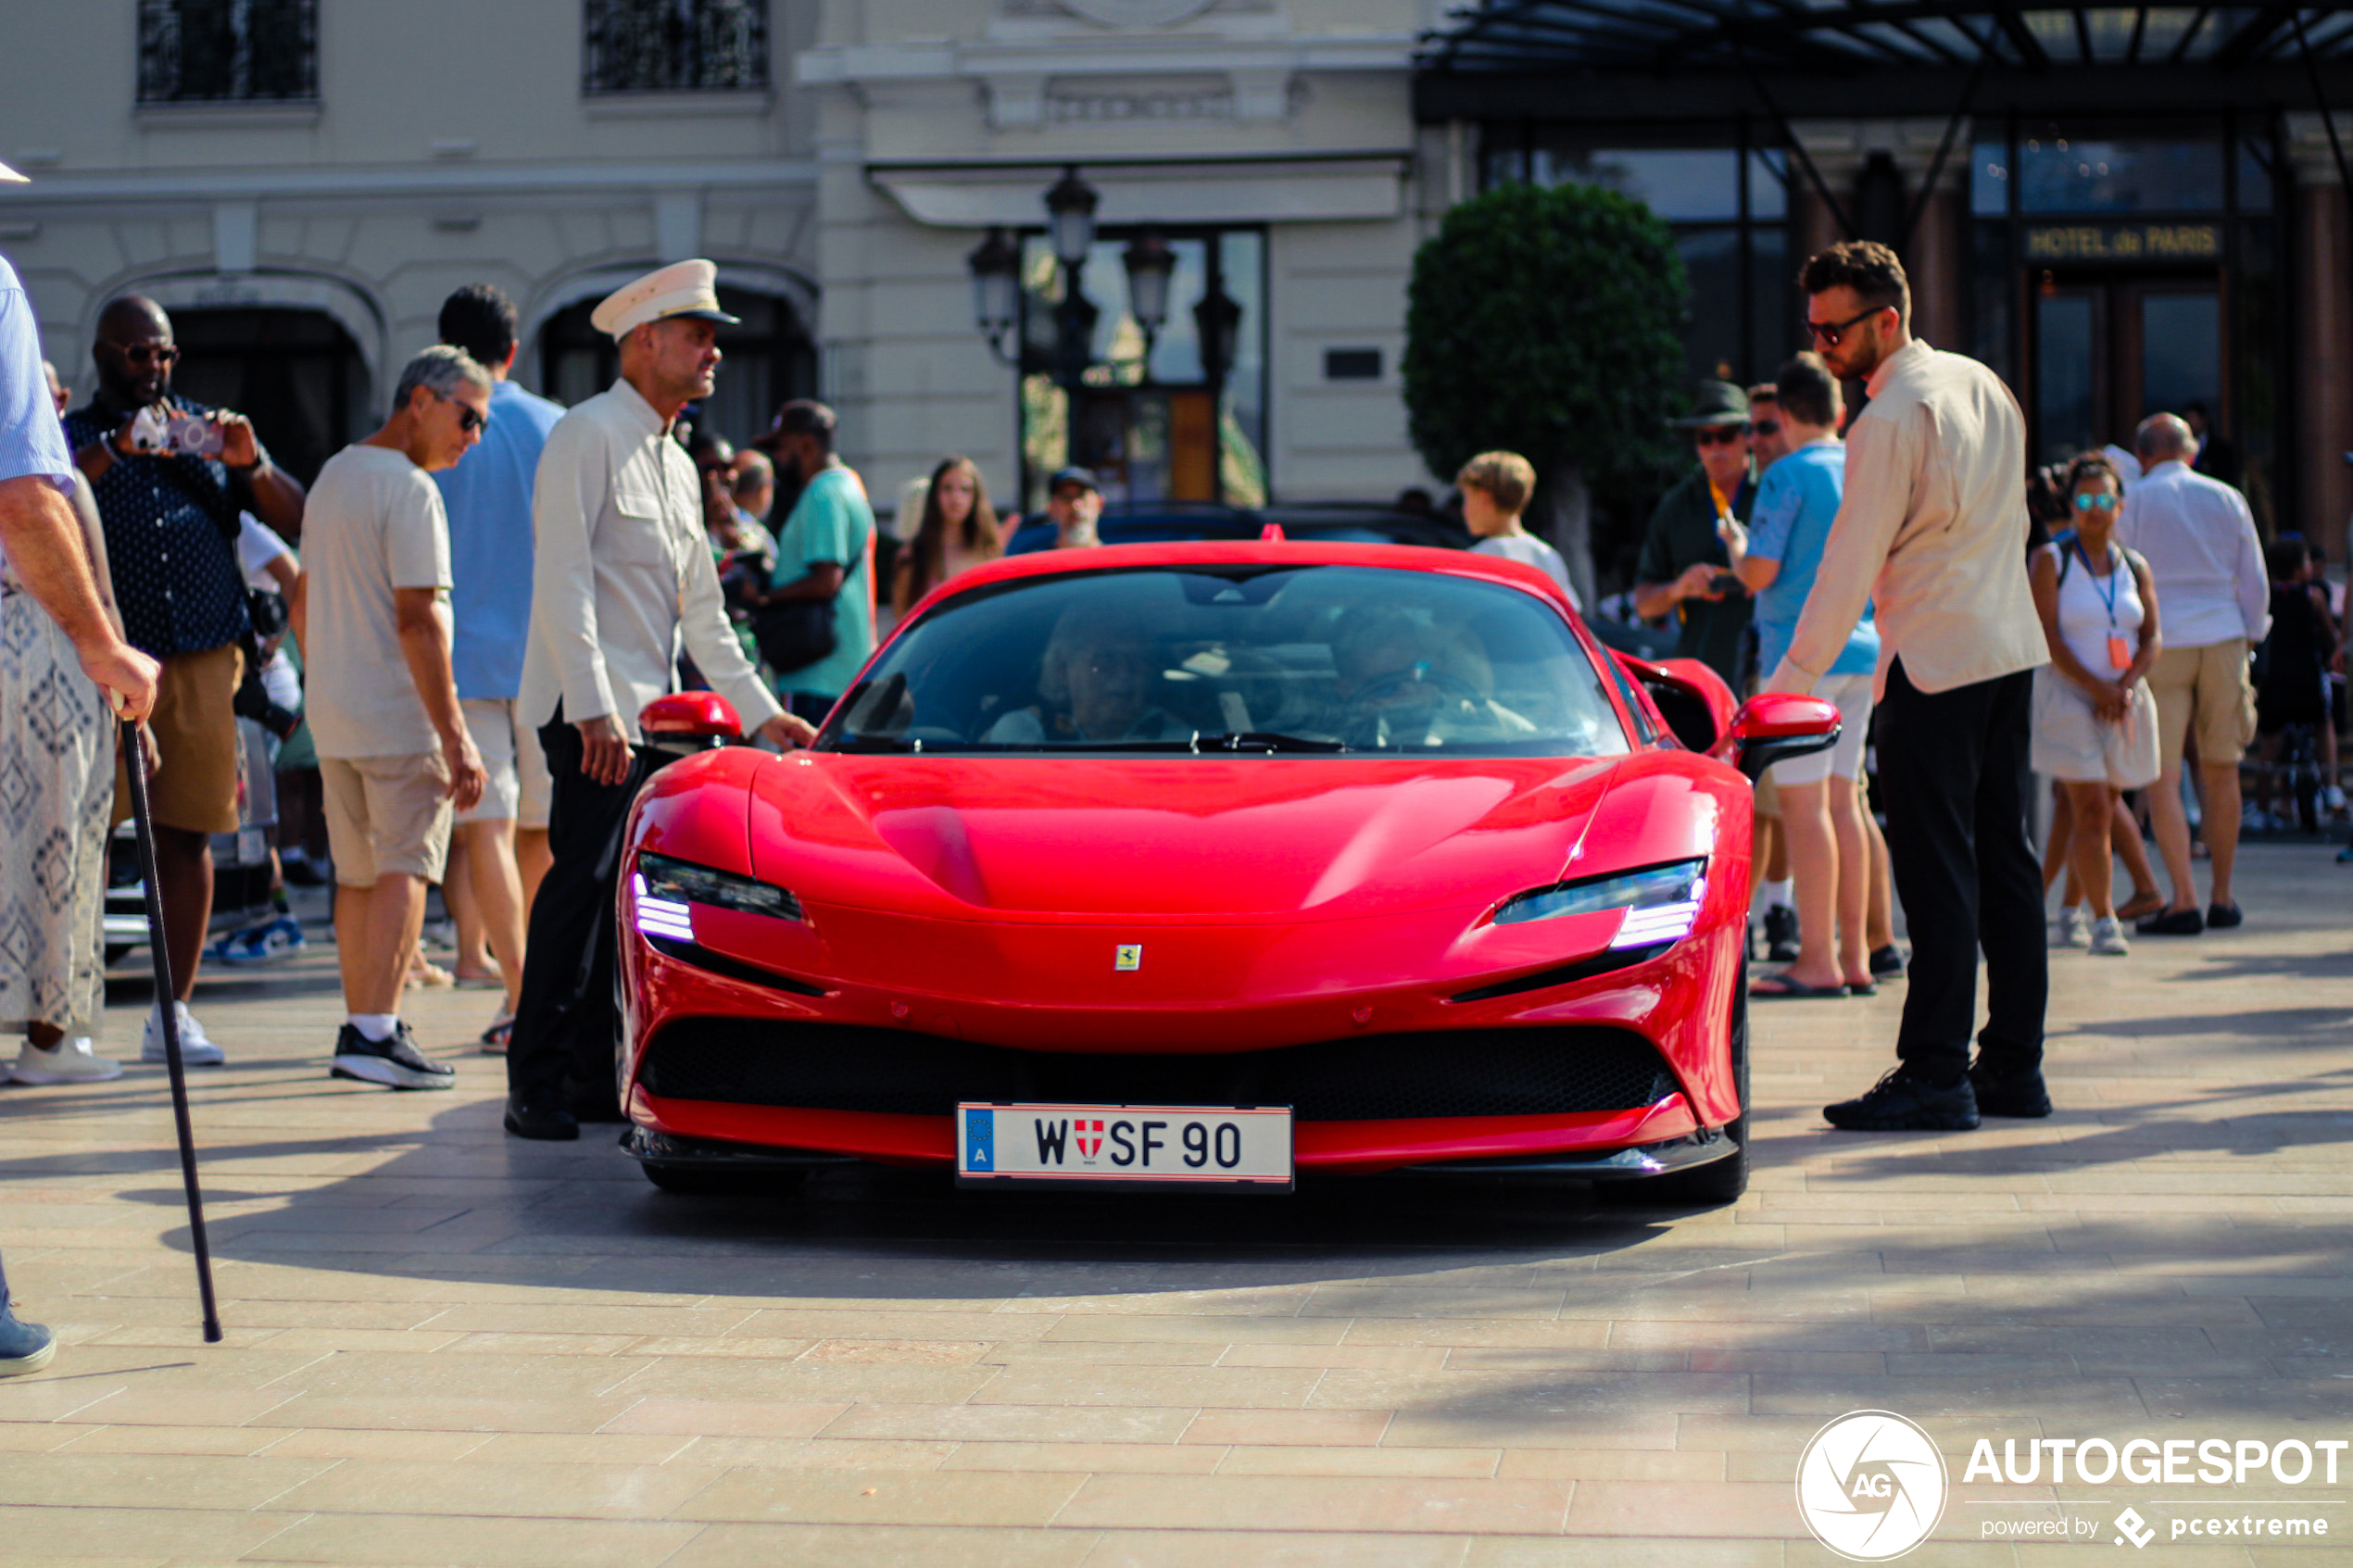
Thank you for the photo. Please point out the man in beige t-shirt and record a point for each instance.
(1931, 531)
(394, 754)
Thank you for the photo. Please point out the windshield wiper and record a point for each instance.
(1267, 740)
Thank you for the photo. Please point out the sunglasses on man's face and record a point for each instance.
(2104, 501)
(146, 353)
(1828, 334)
(1720, 435)
(468, 421)
(1765, 427)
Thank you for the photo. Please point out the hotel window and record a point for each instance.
(228, 51)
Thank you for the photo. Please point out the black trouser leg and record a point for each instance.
(561, 1050)
(2009, 887)
(1934, 759)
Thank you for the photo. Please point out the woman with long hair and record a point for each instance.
(958, 532)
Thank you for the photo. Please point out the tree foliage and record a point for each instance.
(1549, 321)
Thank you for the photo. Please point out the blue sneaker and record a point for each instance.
(272, 943)
(24, 1347)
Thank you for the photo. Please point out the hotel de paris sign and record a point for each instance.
(2063, 244)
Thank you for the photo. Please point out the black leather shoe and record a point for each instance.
(551, 1123)
(1781, 934)
(1887, 963)
(2021, 1095)
(2172, 923)
(2222, 917)
(1903, 1103)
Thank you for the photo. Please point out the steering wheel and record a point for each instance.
(1423, 695)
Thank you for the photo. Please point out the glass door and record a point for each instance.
(2070, 370)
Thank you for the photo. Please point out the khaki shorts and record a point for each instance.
(195, 787)
(386, 814)
(1851, 695)
(2204, 692)
(520, 786)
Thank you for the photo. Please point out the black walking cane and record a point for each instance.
(134, 767)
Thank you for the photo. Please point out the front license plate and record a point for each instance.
(1127, 1145)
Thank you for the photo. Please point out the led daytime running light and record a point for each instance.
(1661, 903)
(662, 917)
(680, 883)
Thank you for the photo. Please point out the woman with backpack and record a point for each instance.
(2094, 720)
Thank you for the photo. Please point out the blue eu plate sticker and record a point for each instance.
(980, 1140)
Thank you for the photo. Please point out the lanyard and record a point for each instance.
(2116, 566)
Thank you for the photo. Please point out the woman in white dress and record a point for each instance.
(57, 789)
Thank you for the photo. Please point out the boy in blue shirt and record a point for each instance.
(1776, 560)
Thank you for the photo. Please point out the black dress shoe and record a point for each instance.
(1902, 1102)
(551, 1123)
(2020, 1095)
(2172, 923)
(1781, 934)
(2222, 917)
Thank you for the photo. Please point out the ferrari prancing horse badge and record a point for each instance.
(1128, 955)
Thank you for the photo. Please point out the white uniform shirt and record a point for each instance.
(2204, 559)
(621, 574)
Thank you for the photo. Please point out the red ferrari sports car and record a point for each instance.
(1201, 865)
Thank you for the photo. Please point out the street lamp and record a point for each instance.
(1218, 321)
(1071, 203)
(996, 269)
(1149, 262)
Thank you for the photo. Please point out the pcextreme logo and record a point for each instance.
(1871, 1485)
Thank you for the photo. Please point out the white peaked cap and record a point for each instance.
(683, 288)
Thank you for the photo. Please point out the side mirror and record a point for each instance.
(1692, 698)
(686, 721)
(1775, 726)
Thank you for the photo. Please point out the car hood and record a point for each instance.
(1194, 838)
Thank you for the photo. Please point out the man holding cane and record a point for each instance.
(44, 559)
(622, 575)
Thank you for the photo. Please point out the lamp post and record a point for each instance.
(1149, 262)
(996, 269)
(1070, 208)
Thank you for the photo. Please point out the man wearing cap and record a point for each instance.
(1685, 570)
(825, 554)
(1074, 500)
(621, 576)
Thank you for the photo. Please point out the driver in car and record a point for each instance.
(1094, 684)
(1398, 684)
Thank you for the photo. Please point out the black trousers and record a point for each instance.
(561, 1052)
(1951, 767)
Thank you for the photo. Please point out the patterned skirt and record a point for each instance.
(56, 788)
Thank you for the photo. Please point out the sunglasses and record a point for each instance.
(468, 421)
(2104, 501)
(146, 353)
(1720, 435)
(1765, 427)
(1829, 332)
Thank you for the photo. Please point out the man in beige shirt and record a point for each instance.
(1932, 530)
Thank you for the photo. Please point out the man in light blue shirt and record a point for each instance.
(825, 551)
(1831, 852)
(498, 848)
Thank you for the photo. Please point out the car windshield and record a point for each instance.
(1313, 660)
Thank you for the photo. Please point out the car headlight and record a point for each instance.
(1661, 902)
(664, 888)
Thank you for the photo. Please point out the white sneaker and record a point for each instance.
(196, 1049)
(2068, 930)
(70, 1060)
(2108, 937)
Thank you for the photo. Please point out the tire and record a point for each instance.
(1721, 1181)
(706, 1181)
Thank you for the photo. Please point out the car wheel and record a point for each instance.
(706, 1181)
(1722, 1181)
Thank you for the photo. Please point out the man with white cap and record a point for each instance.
(621, 576)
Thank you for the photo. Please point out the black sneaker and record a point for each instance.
(549, 1123)
(394, 1061)
(1781, 934)
(1903, 1103)
(2020, 1095)
(1887, 963)
(2171, 923)
(24, 1347)
(2222, 917)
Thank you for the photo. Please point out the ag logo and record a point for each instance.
(1128, 955)
(1871, 1485)
(2136, 1528)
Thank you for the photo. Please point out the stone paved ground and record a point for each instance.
(445, 1346)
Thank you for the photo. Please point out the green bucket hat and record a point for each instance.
(1718, 402)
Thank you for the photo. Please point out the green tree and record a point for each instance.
(1548, 320)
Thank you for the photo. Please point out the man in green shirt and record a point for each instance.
(1684, 569)
(825, 551)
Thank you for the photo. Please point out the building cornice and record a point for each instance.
(438, 180)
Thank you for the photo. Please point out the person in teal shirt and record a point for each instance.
(825, 551)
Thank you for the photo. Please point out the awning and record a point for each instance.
(1351, 187)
